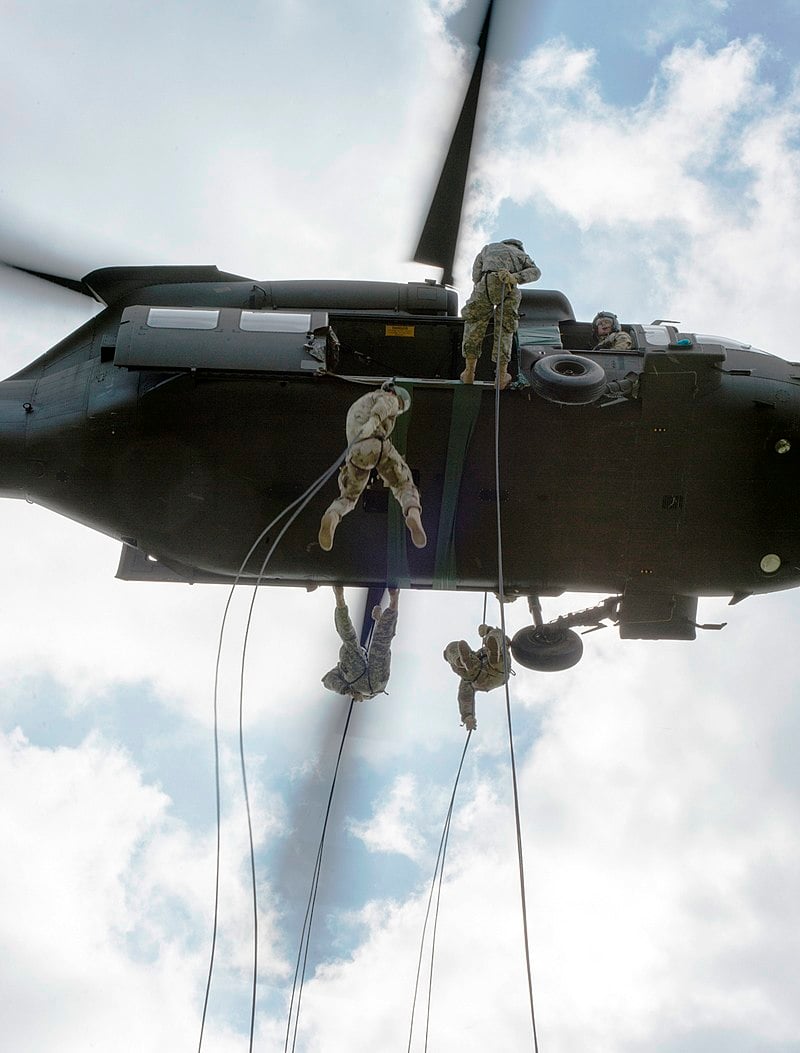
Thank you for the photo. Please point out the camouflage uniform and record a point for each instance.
(373, 416)
(487, 292)
(480, 670)
(615, 342)
(362, 674)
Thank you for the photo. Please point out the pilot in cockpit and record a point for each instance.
(607, 335)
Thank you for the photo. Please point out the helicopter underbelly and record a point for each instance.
(669, 491)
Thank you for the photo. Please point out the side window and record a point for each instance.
(274, 322)
(656, 335)
(182, 318)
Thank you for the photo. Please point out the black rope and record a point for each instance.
(506, 666)
(438, 868)
(313, 489)
(305, 934)
(301, 501)
(439, 893)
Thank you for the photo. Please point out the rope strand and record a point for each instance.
(301, 501)
(502, 598)
(305, 935)
(440, 856)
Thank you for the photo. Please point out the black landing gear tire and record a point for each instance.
(547, 649)
(571, 380)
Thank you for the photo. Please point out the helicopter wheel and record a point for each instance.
(569, 379)
(547, 648)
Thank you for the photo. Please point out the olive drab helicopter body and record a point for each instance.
(198, 404)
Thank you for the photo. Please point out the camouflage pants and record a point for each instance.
(479, 310)
(381, 455)
(357, 673)
(479, 675)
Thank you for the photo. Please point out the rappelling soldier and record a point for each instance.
(481, 670)
(361, 673)
(497, 271)
(607, 335)
(370, 422)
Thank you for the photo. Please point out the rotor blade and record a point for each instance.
(293, 859)
(439, 237)
(56, 279)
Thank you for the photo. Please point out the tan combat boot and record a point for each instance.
(414, 524)
(468, 376)
(327, 529)
(494, 652)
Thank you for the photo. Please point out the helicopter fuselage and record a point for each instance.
(184, 436)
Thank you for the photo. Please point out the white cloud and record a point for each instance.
(108, 905)
(653, 825)
(680, 18)
(687, 200)
(79, 819)
(260, 166)
(394, 822)
(660, 796)
(74, 620)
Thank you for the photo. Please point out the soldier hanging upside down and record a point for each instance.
(481, 670)
(497, 271)
(359, 673)
(370, 422)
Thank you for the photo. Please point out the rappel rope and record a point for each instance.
(438, 869)
(298, 505)
(502, 598)
(440, 859)
(305, 934)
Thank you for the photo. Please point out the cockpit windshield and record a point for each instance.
(726, 341)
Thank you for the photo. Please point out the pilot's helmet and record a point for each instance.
(605, 314)
(512, 241)
(402, 394)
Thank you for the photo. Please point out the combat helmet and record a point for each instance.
(610, 316)
(402, 394)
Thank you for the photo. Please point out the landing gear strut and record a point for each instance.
(553, 646)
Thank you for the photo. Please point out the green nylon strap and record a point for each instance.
(397, 572)
(464, 414)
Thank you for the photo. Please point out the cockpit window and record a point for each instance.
(182, 318)
(274, 322)
(726, 341)
(656, 335)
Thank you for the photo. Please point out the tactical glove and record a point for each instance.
(507, 278)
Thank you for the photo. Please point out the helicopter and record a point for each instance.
(164, 422)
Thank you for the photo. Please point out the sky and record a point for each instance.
(649, 157)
